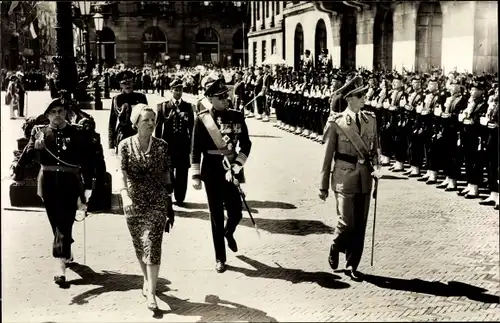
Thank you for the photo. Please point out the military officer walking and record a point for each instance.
(220, 133)
(120, 126)
(351, 140)
(174, 124)
(63, 151)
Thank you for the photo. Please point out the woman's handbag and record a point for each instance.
(170, 215)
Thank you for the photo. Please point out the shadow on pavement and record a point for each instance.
(213, 310)
(386, 176)
(264, 136)
(251, 204)
(108, 281)
(295, 276)
(433, 288)
(277, 226)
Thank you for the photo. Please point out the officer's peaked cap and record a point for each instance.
(125, 76)
(353, 86)
(177, 82)
(58, 102)
(215, 88)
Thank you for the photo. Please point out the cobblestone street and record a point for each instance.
(436, 254)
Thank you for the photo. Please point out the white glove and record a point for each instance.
(88, 194)
(377, 173)
(236, 168)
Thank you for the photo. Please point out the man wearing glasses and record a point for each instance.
(220, 134)
(351, 139)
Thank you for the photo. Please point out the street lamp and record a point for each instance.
(98, 21)
(85, 12)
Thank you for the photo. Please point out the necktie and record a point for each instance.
(358, 123)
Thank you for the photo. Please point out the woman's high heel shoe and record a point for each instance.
(152, 306)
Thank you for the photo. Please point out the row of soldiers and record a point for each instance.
(425, 120)
(32, 80)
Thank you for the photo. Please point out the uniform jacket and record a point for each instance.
(233, 128)
(175, 126)
(71, 145)
(347, 177)
(120, 126)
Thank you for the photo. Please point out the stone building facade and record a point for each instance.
(414, 35)
(172, 32)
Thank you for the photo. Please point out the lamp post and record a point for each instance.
(85, 12)
(67, 76)
(98, 21)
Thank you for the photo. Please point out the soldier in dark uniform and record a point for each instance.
(266, 84)
(398, 140)
(249, 80)
(490, 122)
(259, 102)
(336, 102)
(239, 91)
(218, 181)
(63, 151)
(306, 63)
(448, 134)
(120, 126)
(415, 138)
(174, 124)
(470, 137)
(351, 179)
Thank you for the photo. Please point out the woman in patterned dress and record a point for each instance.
(147, 186)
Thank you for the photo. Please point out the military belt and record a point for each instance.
(50, 168)
(222, 152)
(348, 158)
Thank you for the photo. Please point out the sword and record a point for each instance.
(375, 194)
(255, 97)
(227, 167)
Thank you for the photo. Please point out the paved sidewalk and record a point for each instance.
(436, 255)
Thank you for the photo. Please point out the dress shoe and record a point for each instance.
(450, 189)
(355, 275)
(407, 173)
(442, 185)
(231, 243)
(462, 192)
(414, 175)
(471, 196)
(487, 202)
(60, 280)
(220, 267)
(333, 258)
(423, 179)
(431, 182)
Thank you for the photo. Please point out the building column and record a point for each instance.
(335, 53)
(404, 43)
(364, 43)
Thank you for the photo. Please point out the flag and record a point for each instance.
(32, 31)
(13, 6)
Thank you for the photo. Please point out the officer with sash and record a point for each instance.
(351, 139)
(220, 134)
(174, 124)
(65, 180)
(120, 126)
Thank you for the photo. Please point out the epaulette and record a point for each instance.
(334, 116)
(369, 113)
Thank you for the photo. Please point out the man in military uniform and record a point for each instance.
(351, 140)
(120, 126)
(415, 138)
(239, 91)
(336, 102)
(217, 134)
(63, 151)
(260, 101)
(174, 124)
(306, 64)
(470, 137)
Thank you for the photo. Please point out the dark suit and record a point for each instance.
(120, 126)
(175, 125)
(60, 185)
(220, 192)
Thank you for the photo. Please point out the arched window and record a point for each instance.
(298, 45)
(382, 40)
(320, 39)
(154, 44)
(207, 46)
